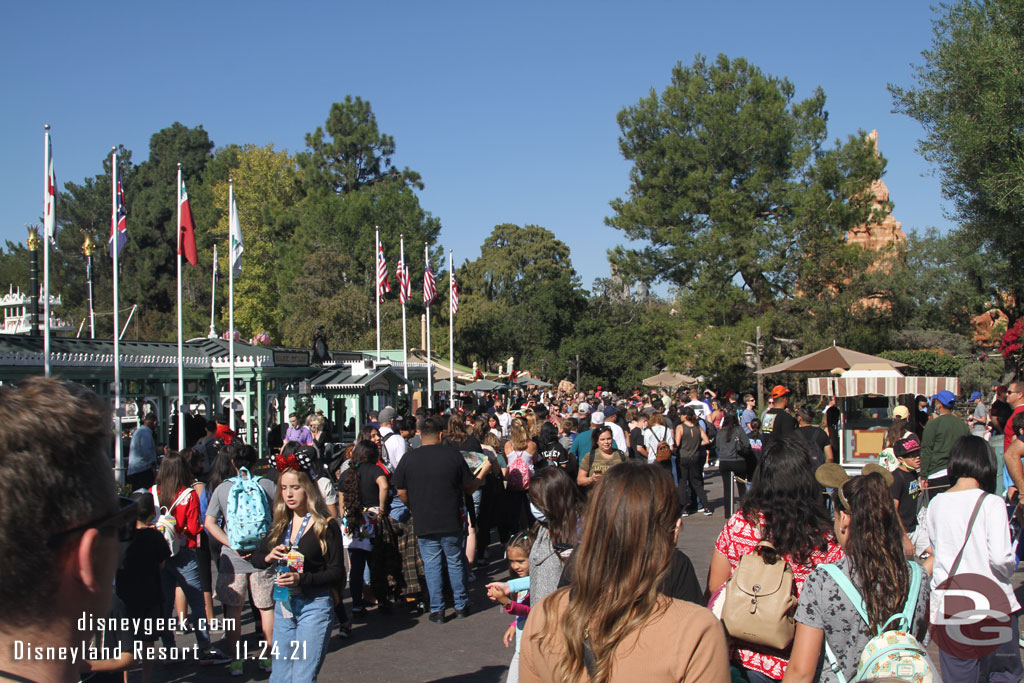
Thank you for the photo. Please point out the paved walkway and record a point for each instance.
(400, 647)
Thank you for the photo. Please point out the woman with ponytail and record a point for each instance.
(868, 529)
(612, 623)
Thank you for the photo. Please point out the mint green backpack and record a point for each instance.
(892, 653)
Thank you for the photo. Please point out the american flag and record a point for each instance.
(402, 276)
(454, 293)
(429, 288)
(120, 232)
(383, 286)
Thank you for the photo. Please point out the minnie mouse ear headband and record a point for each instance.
(832, 475)
(299, 460)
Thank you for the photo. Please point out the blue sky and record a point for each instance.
(507, 110)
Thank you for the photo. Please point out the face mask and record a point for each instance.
(537, 514)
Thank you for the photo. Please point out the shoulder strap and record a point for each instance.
(845, 585)
(833, 663)
(589, 661)
(970, 525)
(182, 497)
(910, 604)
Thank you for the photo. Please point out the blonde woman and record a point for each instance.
(520, 454)
(306, 549)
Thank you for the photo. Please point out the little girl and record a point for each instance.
(518, 605)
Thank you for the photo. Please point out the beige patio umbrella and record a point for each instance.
(827, 359)
(670, 379)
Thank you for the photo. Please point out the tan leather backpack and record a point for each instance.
(759, 600)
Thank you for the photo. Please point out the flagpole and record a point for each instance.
(376, 280)
(451, 333)
(48, 235)
(115, 240)
(213, 295)
(405, 285)
(430, 365)
(181, 360)
(231, 303)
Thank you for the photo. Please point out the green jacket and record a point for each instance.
(937, 441)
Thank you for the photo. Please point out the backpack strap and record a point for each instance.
(833, 663)
(906, 616)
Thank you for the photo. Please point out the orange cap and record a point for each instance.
(779, 390)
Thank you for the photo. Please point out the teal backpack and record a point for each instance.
(247, 517)
(892, 653)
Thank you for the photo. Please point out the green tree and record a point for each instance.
(267, 188)
(969, 97)
(352, 152)
(520, 298)
(149, 275)
(731, 180)
(945, 283)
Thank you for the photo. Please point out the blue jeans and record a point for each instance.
(431, 547)
(301, 638)
(183, 570)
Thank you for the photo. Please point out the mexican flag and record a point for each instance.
(186, 228)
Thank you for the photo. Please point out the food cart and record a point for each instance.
(866, 395)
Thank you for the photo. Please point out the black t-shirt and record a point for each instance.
(905, 489)
(369, 492)
(636, 438)
(777, 423)
(817, 439)
(434, 476)
(1001, 411)
(680, 583)
(111, 639)
(138, 582)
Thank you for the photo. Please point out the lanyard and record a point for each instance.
(288, 532)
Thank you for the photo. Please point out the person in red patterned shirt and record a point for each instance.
(785, 505)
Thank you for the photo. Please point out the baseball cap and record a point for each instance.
(597, 418)
(779, 390)
(386, 414)
(975, 396)
(945, 397)
(1002, 389)
(909, 447)
(901, 411)
(610, 410)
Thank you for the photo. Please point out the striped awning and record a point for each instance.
(881, 386)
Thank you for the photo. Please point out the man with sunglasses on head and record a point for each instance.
(62, 523)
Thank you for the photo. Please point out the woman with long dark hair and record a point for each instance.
(364, 496)
(613, 623)
(602, 456)
(969, 534)
(173, 495)
(785, 507)
(869, 531)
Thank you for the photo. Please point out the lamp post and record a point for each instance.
(88, 247)
(33, 279)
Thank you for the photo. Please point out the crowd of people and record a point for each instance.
(816, 575)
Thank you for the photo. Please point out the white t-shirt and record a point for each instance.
(988, 551)
(392, 448)
(700, 408)
(505, 420)
(327, 490)
(653, 435)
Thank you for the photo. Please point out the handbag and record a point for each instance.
(759, 600)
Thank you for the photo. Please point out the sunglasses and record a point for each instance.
(123, 520)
